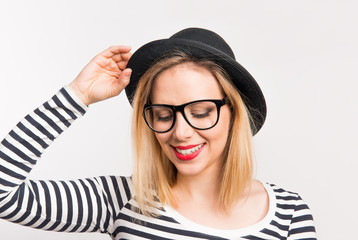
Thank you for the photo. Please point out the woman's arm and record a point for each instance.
(81, 205)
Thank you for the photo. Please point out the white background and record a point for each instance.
(302, 53)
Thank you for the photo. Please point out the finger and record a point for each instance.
(122, 65)
(122, 56)
(127, 56)
(123, 79)
(113, 50)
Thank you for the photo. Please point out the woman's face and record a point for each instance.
(192, 151)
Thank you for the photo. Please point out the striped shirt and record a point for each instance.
(105, 204)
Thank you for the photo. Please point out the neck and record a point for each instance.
(202, 188)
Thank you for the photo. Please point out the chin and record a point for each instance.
(189, 170)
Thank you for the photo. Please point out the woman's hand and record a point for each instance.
(105, 76)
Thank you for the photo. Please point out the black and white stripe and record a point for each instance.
(105, 204)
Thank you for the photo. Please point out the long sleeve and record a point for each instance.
(82, 205)
(302, 225)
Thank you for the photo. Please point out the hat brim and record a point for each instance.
(248, 88)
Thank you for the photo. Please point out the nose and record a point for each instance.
(182, 130)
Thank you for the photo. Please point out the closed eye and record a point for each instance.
(164, 118)
(201, 114)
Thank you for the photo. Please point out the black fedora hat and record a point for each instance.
(201, 43)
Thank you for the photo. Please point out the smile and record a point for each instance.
(186, 153)
(189, 151)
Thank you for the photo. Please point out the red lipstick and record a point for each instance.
(189, 154)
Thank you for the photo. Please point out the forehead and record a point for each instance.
(185, 83)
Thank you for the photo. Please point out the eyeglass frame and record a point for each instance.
(180, 108)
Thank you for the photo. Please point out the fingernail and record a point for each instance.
(128, 72)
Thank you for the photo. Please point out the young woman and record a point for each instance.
(195, 112)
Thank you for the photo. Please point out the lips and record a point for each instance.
(186, 153)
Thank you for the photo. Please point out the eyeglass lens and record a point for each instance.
(201, 115)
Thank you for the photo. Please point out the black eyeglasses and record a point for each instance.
(200, 114)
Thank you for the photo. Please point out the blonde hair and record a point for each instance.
(154, 174)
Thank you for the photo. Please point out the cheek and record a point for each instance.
(224, 121)
(162, 139)
(220, 136)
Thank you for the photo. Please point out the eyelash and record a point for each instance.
(202, 115)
